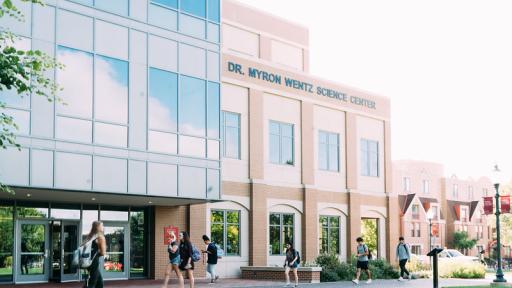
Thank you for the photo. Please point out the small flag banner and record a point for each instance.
(488, 207)
(505, 204)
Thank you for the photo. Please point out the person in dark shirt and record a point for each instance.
(291, 263)
(186, 257)
(211, 251)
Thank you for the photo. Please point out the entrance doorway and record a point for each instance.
(64, 239)
(370, 234)
(32, 246)
(116, 262)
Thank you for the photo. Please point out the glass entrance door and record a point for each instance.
(32, 251)
(116, 264)
(69, 240)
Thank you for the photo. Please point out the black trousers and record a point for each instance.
(95, 279)
(402, 268)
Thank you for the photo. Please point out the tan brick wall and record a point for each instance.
(258, 226)
(197, 223)
(393, 227)
(354, 222)
(308, 165)
(236, 189)
(256, 152)
(351, 150)
(165, 216)
(310, 225)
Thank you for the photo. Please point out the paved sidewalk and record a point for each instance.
(232, 283)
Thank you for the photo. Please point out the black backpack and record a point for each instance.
(298, 257)
(370, 256)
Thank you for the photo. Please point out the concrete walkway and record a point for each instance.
(420, 283)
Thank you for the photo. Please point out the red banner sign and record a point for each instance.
(168, 232)
(505, 204)
(435, 230)
(488, 207)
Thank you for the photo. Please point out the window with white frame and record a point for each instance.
(369, 158)
(415, 211)
(330, 234)
(464, 214)
(435, 213)
(416, 249)
(225, 230)
(455, 191)
(426, 186)
(407, 184)
(280, 231)
(281, 144)
(328, 148)
(231, 134)
(470, 193)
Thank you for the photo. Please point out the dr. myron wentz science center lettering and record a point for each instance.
(299, 85)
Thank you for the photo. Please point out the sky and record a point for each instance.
(445, 65)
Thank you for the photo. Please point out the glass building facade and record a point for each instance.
(139, 123)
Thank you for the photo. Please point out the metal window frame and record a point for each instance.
(225, 230)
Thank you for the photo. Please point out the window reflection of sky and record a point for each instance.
(163, 100)
(192, 116)
(111, 93)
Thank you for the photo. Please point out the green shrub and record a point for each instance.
(466, 270)
(335, 270)
(415, 265)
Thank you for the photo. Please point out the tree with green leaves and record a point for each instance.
(21, 72)
(461, 241)
(369, 232)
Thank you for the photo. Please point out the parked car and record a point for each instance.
(456, 256)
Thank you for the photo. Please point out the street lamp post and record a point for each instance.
(430, 216)
(499, 272)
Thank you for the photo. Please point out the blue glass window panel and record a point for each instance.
(287, 150)
(274, 149)
(192, 105)
(232, 143)
(194, 7)
(333, 158)
(76, 91)
(274, 128)
(322, 156)
(168, 3)
(163, 100)
(213, 109)
(116, 6)
(333, 138)
(111, 90)
(86, 2)
(323, 137)
(232, 119)
(287, 130)
(214, 10)
(11, 98)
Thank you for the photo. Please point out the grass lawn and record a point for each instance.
(6, 271)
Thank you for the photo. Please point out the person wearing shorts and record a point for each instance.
(291, 263)
(362, 261)
(174, 261)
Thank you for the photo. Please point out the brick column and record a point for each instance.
(310, 225)
(197, 223)
(393, 227)
(352, 168)
(256, 124)
(165, 216)
(308, 158)
(258, 247)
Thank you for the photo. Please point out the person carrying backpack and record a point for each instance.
(403, 254)
(211, 251)
(291, 262)
(174, 261)
(362, 261)
(186, 252)
(98, 250)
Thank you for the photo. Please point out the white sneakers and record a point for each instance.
(369, 281)
(400, 279)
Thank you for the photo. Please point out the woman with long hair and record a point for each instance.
(186, 257)
(174, 261)
(98, 250)
(290, 263)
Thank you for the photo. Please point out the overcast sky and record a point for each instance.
(445, 64)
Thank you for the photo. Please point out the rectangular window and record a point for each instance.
(163, 100)
(192, 106)
(214, 10)
(280, 232)
(281, 143)
(111, 90)
(426, 186)
(407, 184)
(7, 243)
(116, 6)
(464, 214)
(369, 158)
(330, 234)
(231, 134)
(225, 230)
(485, 192)
(415, 211)
(416, 249)
(417, 227)
(167, 3)
(470, 193)
(435, 213)
(194, 7)
(328, 148)
(213, 109)
(455, 191)
(138, 232)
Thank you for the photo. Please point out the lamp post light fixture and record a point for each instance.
(496, 175)
(430, 216)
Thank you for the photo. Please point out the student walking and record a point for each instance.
(403, 254)
(174, 261)
(98, 250)
(362, 261)
(211, 251)
(186, 252)
(291, 262)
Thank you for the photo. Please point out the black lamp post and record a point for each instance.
(430, 216)
(499, 272)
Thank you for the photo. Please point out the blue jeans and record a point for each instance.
(210, 268)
